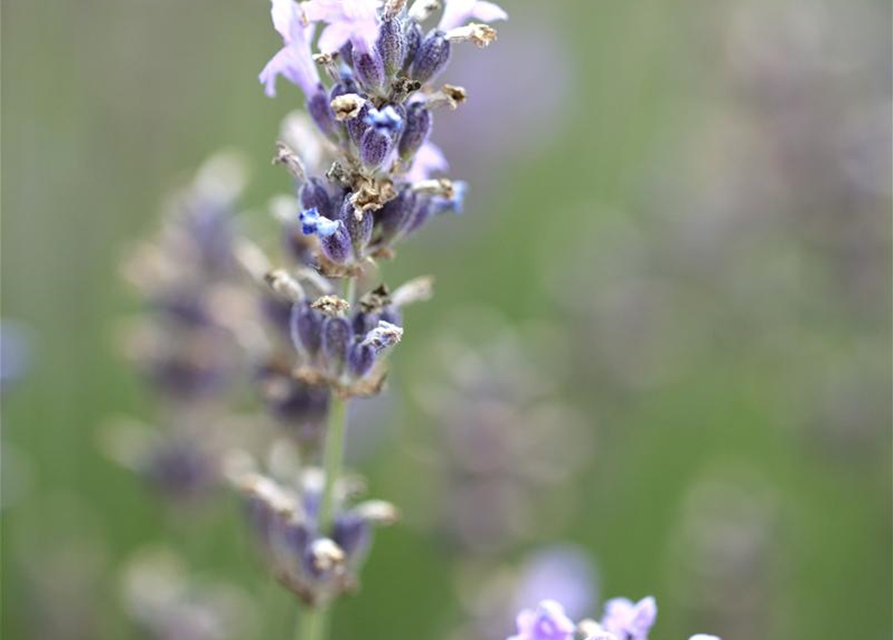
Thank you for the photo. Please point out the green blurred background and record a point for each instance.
(108, 104)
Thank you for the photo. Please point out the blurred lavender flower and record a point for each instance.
(481, 135)
(62, 563)
(628, 620)
(728, 572)
(505, 443)
(547, 622)
(309, 563)
(187, 341)
(491, 595)
(184, 342)
(167, 604)
(789, 231)
(623, 620)
(182, 462)
(563, 573)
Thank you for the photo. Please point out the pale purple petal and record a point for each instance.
(488, 11)
(290, 63)
(558, 621)
(324, 10)
(594, 631)
(354, 20)
(563, 573)
(428, 159)
(457, 13)
(293, 61)
(334, 37)
(278, 64)
(286, 18)
(547, 622)
(644, 617)
(627, 619)
(526, 620)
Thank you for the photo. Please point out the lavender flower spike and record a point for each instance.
(293, 61)
(459, 12)
(547, 622)
(354, 21)
(630, 620)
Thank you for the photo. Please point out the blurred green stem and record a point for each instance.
(312, 625)
(332, 456)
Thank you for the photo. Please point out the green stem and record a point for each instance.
(312, 625)
(332, 457)
(313, 622)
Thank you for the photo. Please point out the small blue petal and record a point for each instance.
(458, 200)
(309, 220)
(314, 224)
(386, 120)
(326, 227)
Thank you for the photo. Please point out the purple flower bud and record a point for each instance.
(260, 516)
(306, 327)
(361, 359)
(352, 533)
(392, 315)
(360, 232)
(180, 469)
(336, 338)
(421, 212)
(346, 53)
(416, 130)
(374, 147)
(392, 45)
(369, 70)
(364, 322)
(315, 195)
(345, 85)
(396, 214)
(321, 112)
(184, 377)
(336, 247)
(431, 58)
(301, 405)
(277, 311)
(414, 37)
(356, 127)
(297, 537)
(182, 306)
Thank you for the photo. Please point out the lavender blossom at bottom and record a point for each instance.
(623, 620)
(547, 622)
